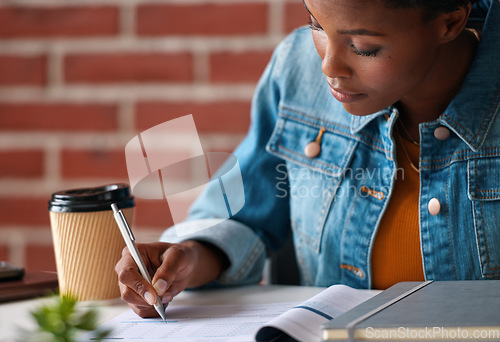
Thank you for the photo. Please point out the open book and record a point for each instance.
(239, 323)
(303, 322)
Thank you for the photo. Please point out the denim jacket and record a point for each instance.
(333, 203)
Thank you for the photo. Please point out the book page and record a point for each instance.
(303, 322)
(238, 323)
(231, 323)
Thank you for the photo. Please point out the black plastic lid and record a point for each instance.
(91, 199)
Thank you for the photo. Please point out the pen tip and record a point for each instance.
(114, 207)
(164, 318)
(161, 312)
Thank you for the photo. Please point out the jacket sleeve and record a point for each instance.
(264, 221)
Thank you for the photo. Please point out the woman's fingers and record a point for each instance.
(170, 278)
(167, 261)
(133, 287)
(173, 268)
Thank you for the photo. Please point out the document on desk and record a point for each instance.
(303, 322)
(237, 323)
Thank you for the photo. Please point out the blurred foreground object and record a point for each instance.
(62, 321)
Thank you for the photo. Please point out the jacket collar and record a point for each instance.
(467, 116)
(360, 122)
(472, 112)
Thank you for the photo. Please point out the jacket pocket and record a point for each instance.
(484, 192)
(311, 181)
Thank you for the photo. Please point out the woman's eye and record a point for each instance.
(365, 53)
(313, 24)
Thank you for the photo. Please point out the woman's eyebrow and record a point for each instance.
(355, 32)
(361, 32)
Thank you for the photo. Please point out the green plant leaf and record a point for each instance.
(61, 321)
(66, 307)
(87, 321)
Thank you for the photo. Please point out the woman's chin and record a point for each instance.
(359, 111)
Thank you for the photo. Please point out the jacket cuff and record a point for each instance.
(243, 248)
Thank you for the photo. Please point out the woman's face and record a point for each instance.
(373, 56)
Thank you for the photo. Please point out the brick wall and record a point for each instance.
(79, 79)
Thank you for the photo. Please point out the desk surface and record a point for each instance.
(16, 315)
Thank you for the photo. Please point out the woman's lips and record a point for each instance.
(345, 96)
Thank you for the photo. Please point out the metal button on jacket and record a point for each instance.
(434, 206)
(441, 133)
(312, 149)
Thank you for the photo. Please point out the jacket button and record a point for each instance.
(434, 206)
(312, 149)
(441, 133)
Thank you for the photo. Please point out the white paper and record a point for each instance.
(238, 323)
(215, 323)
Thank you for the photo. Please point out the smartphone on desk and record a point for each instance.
(10, 272)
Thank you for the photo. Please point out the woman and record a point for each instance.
(376, 140)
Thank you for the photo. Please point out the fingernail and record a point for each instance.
(160, 286)
(149, 298)
(166, 299)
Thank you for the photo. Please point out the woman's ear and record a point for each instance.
(453, 23)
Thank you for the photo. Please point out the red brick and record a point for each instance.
(152, 214)
(21, 164)
(22, 70)
(94, 164)
(232, 117)
(295, 15)
(238, 67)
(201, 19)
(70, 21)
(14, 211)
(57, 117)
(40, 258)
(128, 67)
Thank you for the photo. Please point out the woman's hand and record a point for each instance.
(173, 267)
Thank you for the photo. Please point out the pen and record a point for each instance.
(130, 241)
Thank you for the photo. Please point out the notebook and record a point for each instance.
(422, 311)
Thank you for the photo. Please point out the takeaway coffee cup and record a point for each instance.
(87, 240)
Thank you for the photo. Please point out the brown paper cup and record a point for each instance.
(88, 244)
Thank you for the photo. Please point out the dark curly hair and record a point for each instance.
(430, 8)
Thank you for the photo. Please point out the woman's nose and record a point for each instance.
(335, 64)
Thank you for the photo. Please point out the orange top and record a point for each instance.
(396, 252)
